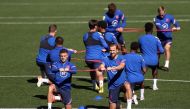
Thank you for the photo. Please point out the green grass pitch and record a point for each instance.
(22, 22)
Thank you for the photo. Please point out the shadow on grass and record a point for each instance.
(88, 80)
(44, 97)
(32, 80)
(45, 107)
(76, 86)
(96, 107)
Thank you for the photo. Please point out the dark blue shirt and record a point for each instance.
(110, 38)
(54, 54)
(133, 65)
(94, 51)
(63, 79)
(117, 21)
(150, 46)
(44, 51)
(116, 78)
(163, 24)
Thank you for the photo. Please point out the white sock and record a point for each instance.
(49, 105)
(57, 98)
(129, 102)
(101, 83)
(142, 93)
(167, 63)
(155, 82)
(133, 92)
(45, 80)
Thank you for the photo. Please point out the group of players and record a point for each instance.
(106, 52)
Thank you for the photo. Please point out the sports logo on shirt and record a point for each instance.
(63, 74)
(114, 23)
(167, 20)
(117, 17)
(114, 71)
(165, 26)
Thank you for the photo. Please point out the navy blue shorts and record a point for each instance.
(164, 42)
(65, 95)
(114, 95)
(42, 67)
(152, 67)
(120, 38)
(92, 65)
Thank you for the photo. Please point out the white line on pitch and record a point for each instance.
(77, 22)
(79, 17)
(93, 3)
(87, 77)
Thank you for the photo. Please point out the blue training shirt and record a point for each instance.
(47, 43)
(163, 24)
(115, 78)
(94, 43)
(63, 79)
(150, 46)
(133, 66)
(54, 54)
(110, 38)
(118, 20)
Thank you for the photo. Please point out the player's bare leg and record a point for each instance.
(142, 91)
(51, 90)
(68, 106)
(93, 78)
(128, 94)
(167, 55)
(112, 106)
(100, 78)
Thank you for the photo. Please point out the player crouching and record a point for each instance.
(62, 71)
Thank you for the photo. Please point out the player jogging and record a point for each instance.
(150, 47)
(165, 24)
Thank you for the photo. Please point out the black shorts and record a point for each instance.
(165, 41)
(152, 67)
(65, 95)
(92, 65)
(42, 67)
(114, 95)
(120, 38)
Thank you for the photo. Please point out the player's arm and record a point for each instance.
(123, 23)
(159, 46)
(73, 69)
(71, 51)
(175, 23)
(144, 70)
(123, 20)
(103, 42)
(119, 67)
(51, 41)
(54, 67)
(114, 40)
(157, 24)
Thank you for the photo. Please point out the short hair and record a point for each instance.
(111, 8)
(52, 28)
(149, 27)
(161, 8)
(59, 40)
(134, 46)
(111, 45)
(63, 51)
(92, 24)
(102, 24)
